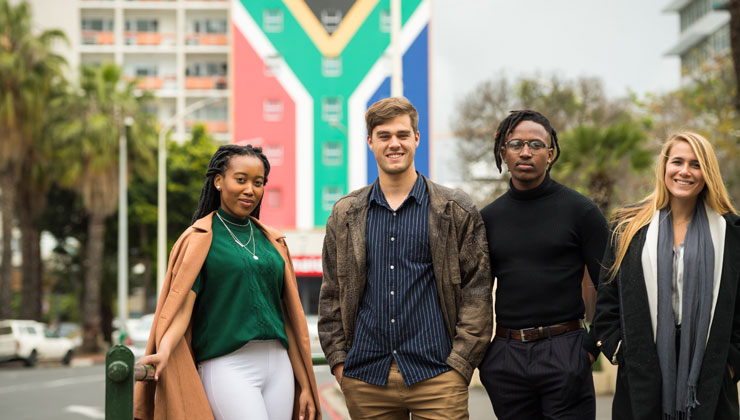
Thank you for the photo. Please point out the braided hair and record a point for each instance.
(509, 124)
(210, 197)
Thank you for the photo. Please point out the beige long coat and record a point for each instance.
(179, 393)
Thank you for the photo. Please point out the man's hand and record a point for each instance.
(591, 358)
(337, 371)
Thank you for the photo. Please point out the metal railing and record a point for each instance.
(120, 374)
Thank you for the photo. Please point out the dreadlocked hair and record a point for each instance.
(509, 124)
(210, 197)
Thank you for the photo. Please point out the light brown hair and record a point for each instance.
(629, 220)
(387, 109)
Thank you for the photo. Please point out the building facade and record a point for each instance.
(180, 50)
(705, 32)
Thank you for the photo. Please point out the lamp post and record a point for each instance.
(396, 57)
(123, 222)
(162, 186)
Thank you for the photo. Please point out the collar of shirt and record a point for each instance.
(418, 192)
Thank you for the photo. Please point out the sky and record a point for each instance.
(621, 41)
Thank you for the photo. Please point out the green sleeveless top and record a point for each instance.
(238, 297)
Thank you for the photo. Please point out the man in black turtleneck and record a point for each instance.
(541, 235)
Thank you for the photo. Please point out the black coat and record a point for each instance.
(622, 313)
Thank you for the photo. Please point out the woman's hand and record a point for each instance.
(159, 360)
(306, 409)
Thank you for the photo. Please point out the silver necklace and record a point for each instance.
(238, 242)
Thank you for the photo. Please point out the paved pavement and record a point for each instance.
(54, 392)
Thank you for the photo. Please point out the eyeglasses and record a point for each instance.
(517, 145)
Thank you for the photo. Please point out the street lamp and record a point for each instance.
(396, 57)
(162, 186)
(123, 222)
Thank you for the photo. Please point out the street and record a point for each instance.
(54, 392)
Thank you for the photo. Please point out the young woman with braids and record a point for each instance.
(667, 311)
(230, 340)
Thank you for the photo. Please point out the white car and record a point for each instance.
(31, 341)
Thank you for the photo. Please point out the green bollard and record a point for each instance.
(119, 383)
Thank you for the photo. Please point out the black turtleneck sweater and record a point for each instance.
(540, 240)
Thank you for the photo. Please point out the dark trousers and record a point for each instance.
(544, 379)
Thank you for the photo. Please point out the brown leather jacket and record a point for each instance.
(462, 271)
(179, 393)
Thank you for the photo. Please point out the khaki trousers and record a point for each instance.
(443, 397)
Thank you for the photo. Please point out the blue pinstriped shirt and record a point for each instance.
(400, 316)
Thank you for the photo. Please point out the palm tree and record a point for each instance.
(29, 72)
(92, 168)
(597, 159)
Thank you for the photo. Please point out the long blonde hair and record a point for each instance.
(629, 220)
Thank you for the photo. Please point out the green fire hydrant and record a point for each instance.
(119, 383)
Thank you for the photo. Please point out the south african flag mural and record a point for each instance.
(304, 73)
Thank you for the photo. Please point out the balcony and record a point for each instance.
(97, 37)
(154, 82)
(205, 39)
(206, 82)
(149, 38)
(212, 126)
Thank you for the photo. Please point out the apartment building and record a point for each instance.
(705, 31)
(179, 50)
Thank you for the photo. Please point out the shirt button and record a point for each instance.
(392, 267)
(395, 352)
(392, 293)
(394, 213)
(393, 238)
(393, 320)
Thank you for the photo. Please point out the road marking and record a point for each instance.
(53, 384)
(87, 411)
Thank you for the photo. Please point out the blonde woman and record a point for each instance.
(667, 310)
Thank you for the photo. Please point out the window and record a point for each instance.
(211, 113)
(273, 197)
(272, 65)
(385, 20)
(206, 69)
(142, 25)
(331, 153)
(331, 67)
(331, 18)
(208, 26)
(272, 20)
(275, 154)
(97, 24)
(331, 109)
(272, 110)
(144, 70)
(6, 330)
(330, 195)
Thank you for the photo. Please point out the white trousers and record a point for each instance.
(254, 382)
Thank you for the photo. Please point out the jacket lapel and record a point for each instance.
(637, 333)
(718, 342)
(357, 228)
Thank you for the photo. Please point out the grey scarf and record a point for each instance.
(679, 385)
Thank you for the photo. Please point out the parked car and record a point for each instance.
(32, 341)
(136, 336)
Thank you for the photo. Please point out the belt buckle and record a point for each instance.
(521, 334)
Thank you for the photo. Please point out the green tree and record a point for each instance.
(186, 167)
(29, 72)
(705, 104)
(600, 158)
(566, 103)
(104, 104)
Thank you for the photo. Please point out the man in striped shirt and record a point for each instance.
(405, 305)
